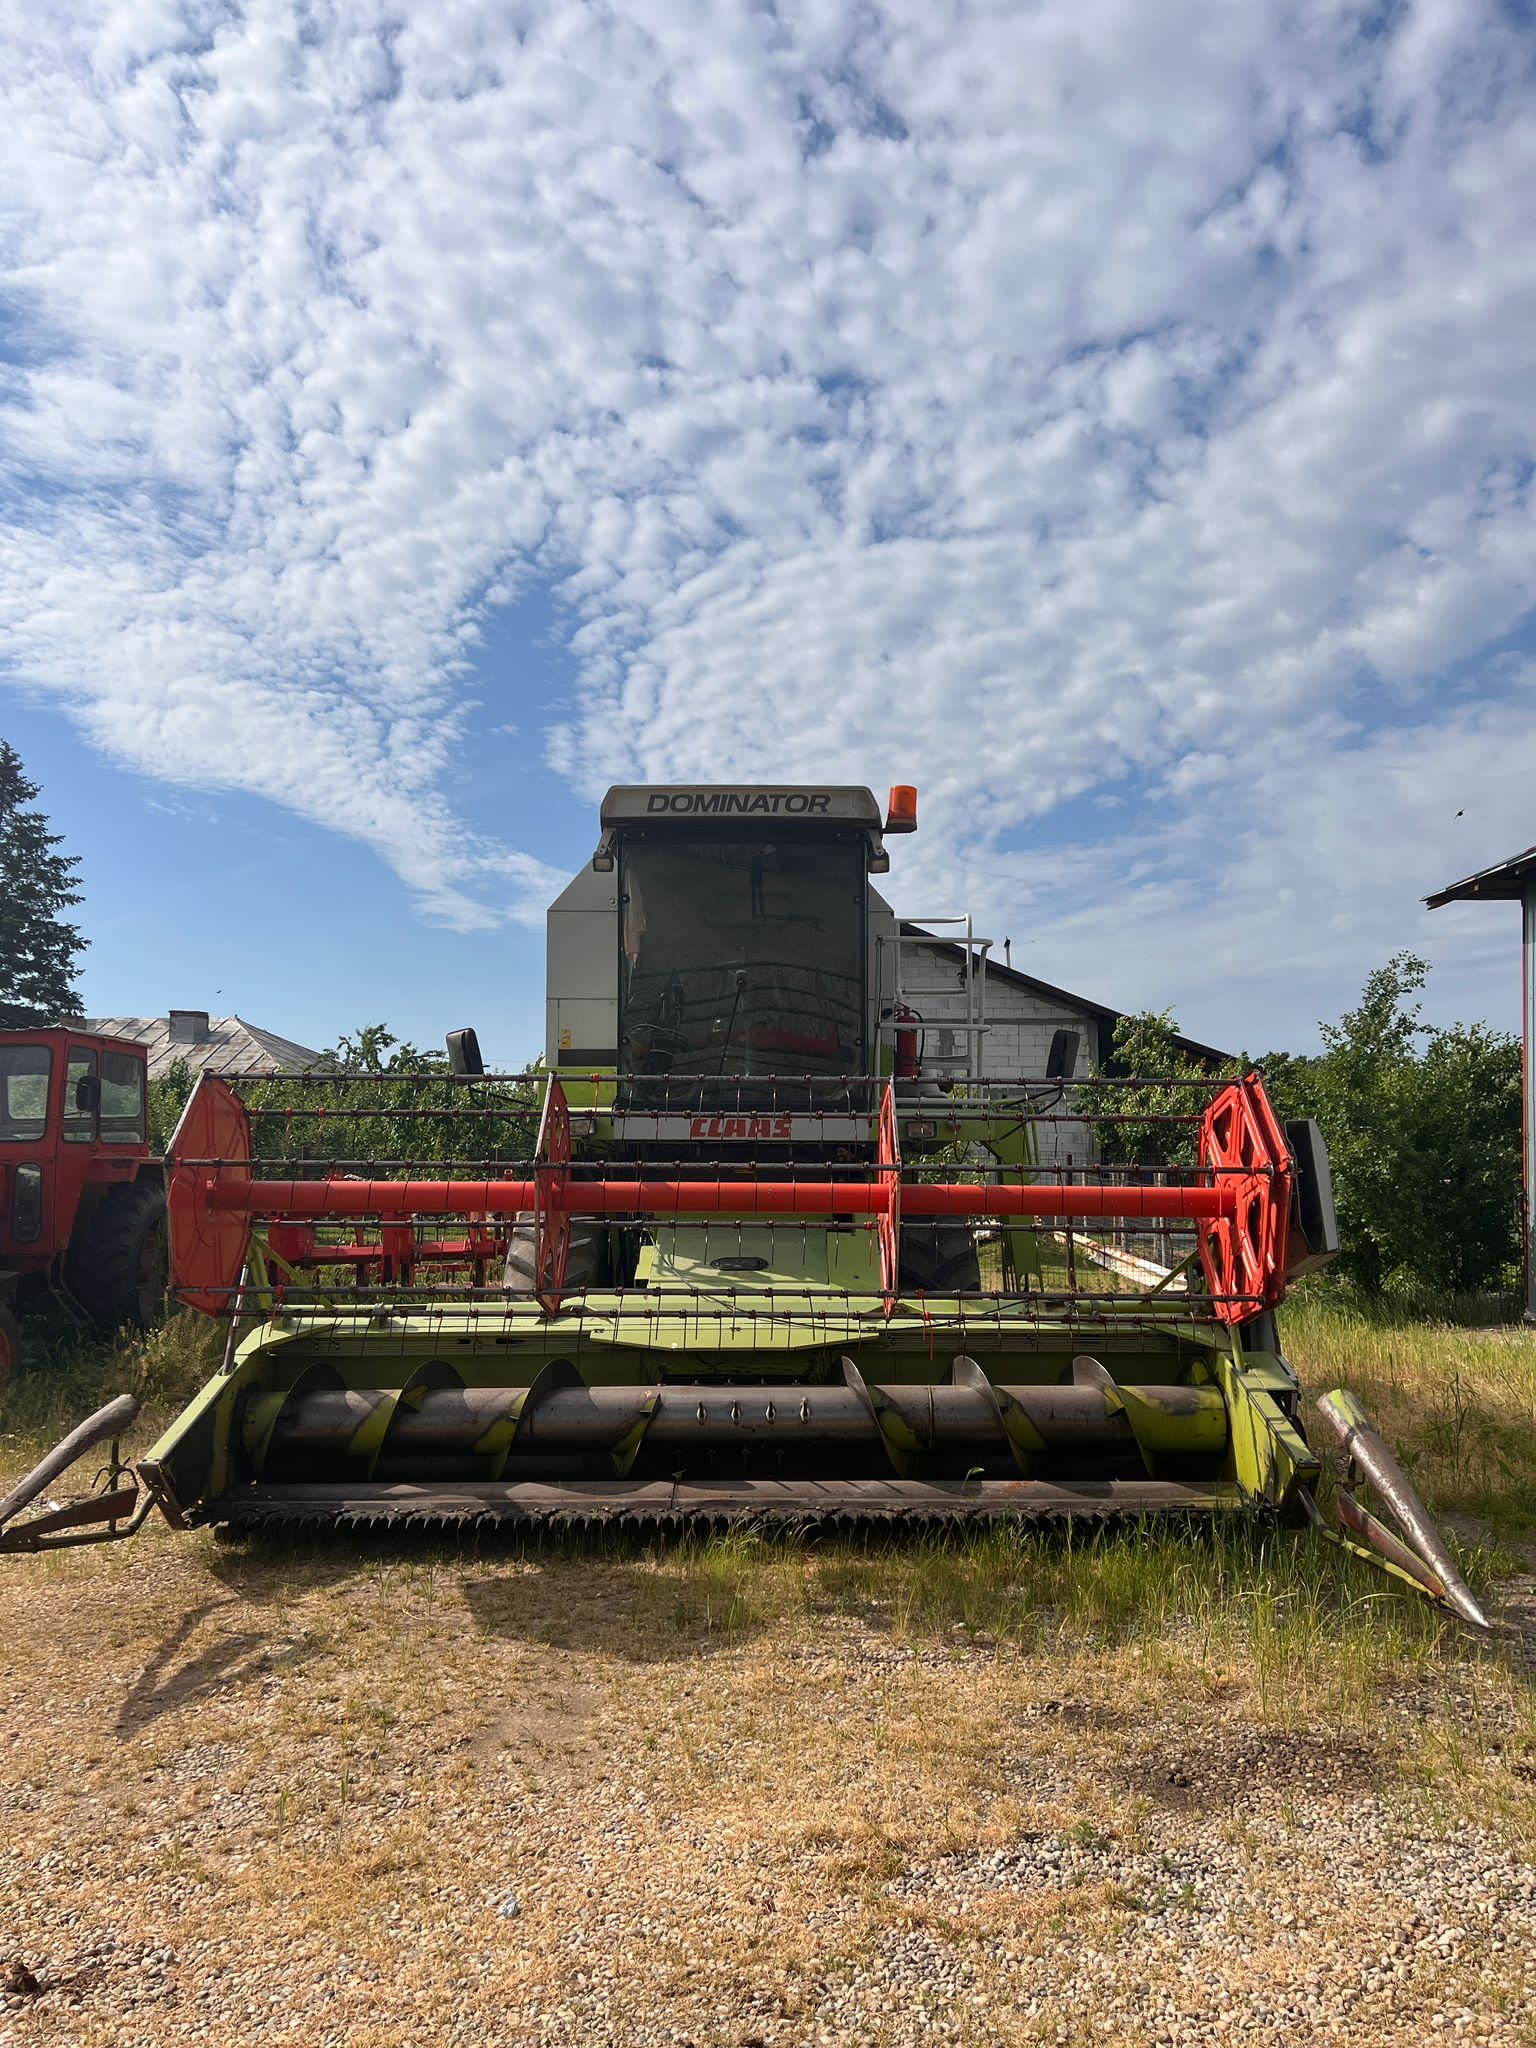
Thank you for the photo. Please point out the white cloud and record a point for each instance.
(1038, 402)
(1254, 903)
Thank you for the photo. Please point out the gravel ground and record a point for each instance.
(348, 1796)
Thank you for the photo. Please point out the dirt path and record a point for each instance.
(343, 1795)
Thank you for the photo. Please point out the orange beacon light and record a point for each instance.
(901, 815)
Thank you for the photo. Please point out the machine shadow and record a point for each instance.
(640, 1595)
(202, 1654)
(183, 1670)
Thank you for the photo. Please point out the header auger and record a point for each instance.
(728, 1257)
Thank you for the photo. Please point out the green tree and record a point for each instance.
(37, 947)
(167, 1099)
(1423, 1130)
(374, 1049)
(1358, 1090)
(1145, 1044)
(375, 1099)
(1462, 1118)
(379, 1100)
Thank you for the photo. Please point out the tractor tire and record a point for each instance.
(584, 1261)
(939, 1258)
(10, 1342)
(117, 1264)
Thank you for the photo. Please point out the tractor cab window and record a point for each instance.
(122, 1099)
(82, 1095)
(742, 955)
(25, 1071)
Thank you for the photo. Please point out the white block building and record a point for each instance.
(1025, 1019)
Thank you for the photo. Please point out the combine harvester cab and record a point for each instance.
(738, 1253)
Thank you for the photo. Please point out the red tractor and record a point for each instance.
(82, 1201)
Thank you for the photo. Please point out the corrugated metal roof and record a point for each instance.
(1505, 882)
(231, 1047)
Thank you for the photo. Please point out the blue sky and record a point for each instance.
(1119, 423)
(224, 902)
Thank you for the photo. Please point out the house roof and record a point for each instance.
(1104, 1014)
(1505, 882)
(231, 1047)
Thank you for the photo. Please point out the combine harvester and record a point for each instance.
(741, 1252)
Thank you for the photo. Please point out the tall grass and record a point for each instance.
(65, 1373)
(1458, 1403)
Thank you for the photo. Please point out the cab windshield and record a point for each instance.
(742, 955)
(24, 1075)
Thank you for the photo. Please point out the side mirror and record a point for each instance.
(464, 1053)
(1061, 1063)
(87, 1095)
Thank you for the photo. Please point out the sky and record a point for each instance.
(1119, 421)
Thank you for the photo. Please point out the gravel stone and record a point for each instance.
(297, 1796)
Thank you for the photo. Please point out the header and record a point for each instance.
(665, 801)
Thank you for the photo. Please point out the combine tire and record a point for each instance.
(117, 1265)
(939, 1258)
(584, 1261)
(10, 1342)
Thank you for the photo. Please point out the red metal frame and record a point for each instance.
(208, 1242)
(888, 1220)
(551, 1215)
(1240, 1203)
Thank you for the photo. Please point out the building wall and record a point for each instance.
(1016, 1045)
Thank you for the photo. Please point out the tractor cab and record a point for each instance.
(742, 930)
(82, 1203)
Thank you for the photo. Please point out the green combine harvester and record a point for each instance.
(741, 1250)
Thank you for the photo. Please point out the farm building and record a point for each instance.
(1021, 1026)
(220, 1045)
(1514, 881)
(1021, 1014)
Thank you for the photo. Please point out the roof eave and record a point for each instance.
(1507, 881)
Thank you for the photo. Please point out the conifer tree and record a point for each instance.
(37, 884)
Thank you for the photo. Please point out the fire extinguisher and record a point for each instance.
(906, 1020)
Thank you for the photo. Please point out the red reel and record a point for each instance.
(551, 1218)
(1243, 1252)
(208, 1245)
(888, 1175)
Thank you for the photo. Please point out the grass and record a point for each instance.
(1314, 1633)
(1457, 1403)
(65, 1373)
